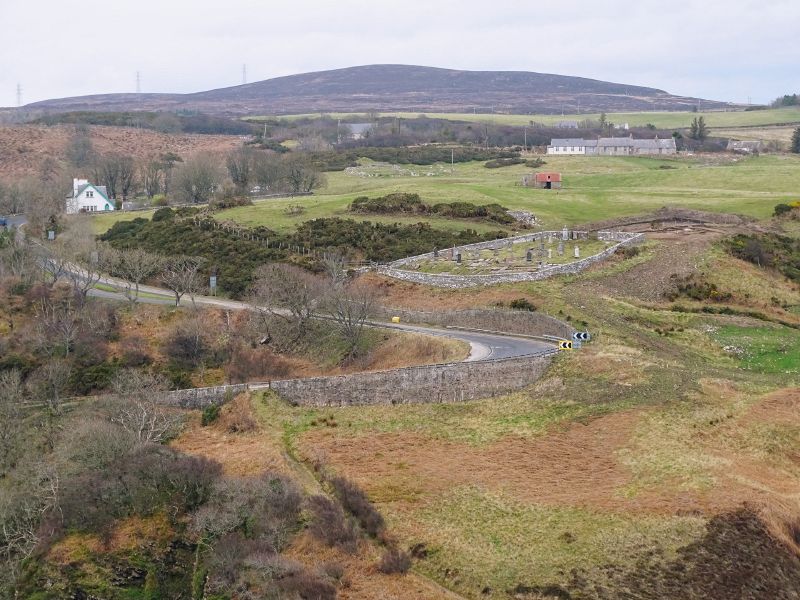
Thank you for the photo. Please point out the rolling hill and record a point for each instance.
(398, 88)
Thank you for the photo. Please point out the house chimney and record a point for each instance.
(74, 187)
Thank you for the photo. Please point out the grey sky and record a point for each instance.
(718, 49)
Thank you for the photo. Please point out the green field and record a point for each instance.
(763, 349)
(665, 120)
(594, 189)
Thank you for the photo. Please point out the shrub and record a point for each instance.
(631, 251)
(163, 214)
(85, 380)
(355, 501)
(535, 163)
(330, 525)
(522, 304)
(210, 414)
(394, 560)
(503, 162)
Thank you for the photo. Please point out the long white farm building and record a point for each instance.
(615, 146)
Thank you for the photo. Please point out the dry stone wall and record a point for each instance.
(445, 280)
(514, 322)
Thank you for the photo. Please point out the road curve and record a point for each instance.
(483, 346)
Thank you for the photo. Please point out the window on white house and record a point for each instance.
(90, 194)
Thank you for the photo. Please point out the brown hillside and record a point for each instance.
(23, 148)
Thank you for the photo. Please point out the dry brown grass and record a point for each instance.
(412, 349)
(575, 465)
(132, 533)
(240, 454)
(361, 580)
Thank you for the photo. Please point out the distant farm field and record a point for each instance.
(665, 120)
(594, 189)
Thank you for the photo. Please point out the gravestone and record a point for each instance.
(550, 253)
(577, 252)
(561, 248)
(529, 256)
(458, 257)
(565, 233)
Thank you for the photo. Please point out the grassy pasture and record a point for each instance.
(595, 188)
(666, 120)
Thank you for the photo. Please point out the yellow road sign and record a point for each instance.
(565, 345)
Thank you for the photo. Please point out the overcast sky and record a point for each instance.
(716, 49)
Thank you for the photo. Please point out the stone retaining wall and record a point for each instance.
(454, 382)
(202, 397)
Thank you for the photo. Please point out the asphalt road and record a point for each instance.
(483, 346)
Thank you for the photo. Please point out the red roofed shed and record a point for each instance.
(543, 180)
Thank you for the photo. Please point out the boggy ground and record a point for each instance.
(659, 461)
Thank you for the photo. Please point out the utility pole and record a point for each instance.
(525, 129)
(19, 94)
(452, 160)
(244, 74)
(138, 82)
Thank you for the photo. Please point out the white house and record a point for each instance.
(87, 197)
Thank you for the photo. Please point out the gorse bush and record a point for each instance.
(401, 203)
(235, 258)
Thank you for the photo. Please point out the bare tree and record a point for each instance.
(182, 275)
(138, 407)
(168, 161)
(349, 305)
(22, 509)
(240, 168)
(18, 257)
(48, 382)
(198, 178)
(126, 168)
(268, 171)
(57, 321)
(133, 266)
(302, 176)
(151, 174)
(80, 151)
(289, 293)
(12, 395)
